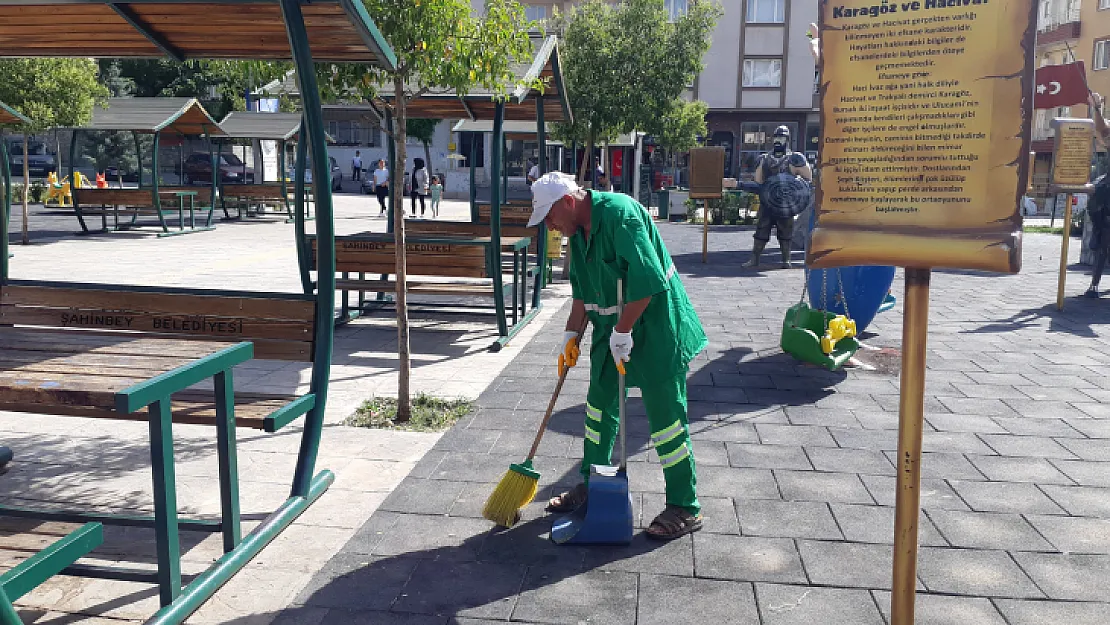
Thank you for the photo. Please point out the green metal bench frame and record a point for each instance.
(32, 572)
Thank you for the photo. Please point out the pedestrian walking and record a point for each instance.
(356, 166)
(435, 192)
(381, 183)
(419, 184)
(613, 238)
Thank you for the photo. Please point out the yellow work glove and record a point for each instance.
(569, 356)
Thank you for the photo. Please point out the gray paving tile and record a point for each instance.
(1026, 446)
(767, 456)
(434, 536)
(818, 486)
(419, 496)
(478, 589)
(946, 610)
(1081, 500)
(934, 493)
(476, 441)
(357, 581)
(552, 595)
(1025, 426)
(954, 443)
(881, 440)
(743, 558)
(644, 555)
(973, 572)
(942, 466)
(809, 415)
(737, 483)
(976, 406)
(849, 460)
(1097, 450)
(669, 600)
(855, 565)
(1074, 534)
(1005, 497)
(368, 536)
(986, 530)
(718, 513)
(1094, 428)
(1085, 473)
(787, 519)
(875, 524)
(375, 617)
(801, 605)
(1020, 469)
(706, 453)
(1045, 409)
(728, 432)
(300, 616)
(806, 435)
(1067, 576)
(974, 424)
(1019, 612)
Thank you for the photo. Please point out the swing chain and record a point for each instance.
(843, 295)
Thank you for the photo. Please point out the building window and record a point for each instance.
(479, 148)
(766, 11)
(1103, 4)
(535, 13)
(762, 72)
(675, 9)
(1102, 54)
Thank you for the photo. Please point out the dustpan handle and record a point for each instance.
(620, 382)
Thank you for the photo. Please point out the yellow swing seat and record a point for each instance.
(802, 331)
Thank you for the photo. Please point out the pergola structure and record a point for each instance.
(252, 126)
(306, 32)
(8, 117)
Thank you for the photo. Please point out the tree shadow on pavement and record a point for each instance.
(1079, 316)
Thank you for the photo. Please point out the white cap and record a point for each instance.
(546, 190)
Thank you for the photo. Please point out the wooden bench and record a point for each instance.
(250, 200)
(373, 258)
(33, 551)
(75, 348)
(515, 214)
(182, 201)
(428, 227)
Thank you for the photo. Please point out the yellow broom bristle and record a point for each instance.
(513, 493)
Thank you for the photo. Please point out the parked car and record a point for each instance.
(336, 175)
(40, 161)
(198, 168)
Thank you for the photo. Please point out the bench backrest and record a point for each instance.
(138, 197)
(510, 214)
(269, 190)
(281, 326)
(377, 255)
(427, 227)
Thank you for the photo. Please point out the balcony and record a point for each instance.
(1060, 26)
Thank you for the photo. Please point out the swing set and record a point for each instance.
(818, 336)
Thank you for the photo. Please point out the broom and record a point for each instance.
(518, 486)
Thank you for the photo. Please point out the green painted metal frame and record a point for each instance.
(5, 210)
(32, 572)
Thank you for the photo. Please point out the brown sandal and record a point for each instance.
(672, 523)
(568, 501)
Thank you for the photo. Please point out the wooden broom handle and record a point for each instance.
(555, 395)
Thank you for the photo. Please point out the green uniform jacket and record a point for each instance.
(624, 244)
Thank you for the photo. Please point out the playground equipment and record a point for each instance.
(58, 190)
(806, 332)
(865, 290)
(840, 327)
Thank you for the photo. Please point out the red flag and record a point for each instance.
(1060, 85)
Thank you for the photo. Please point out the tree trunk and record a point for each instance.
(404, 401)
(26, 189)
(588, 159)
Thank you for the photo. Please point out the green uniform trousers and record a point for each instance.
(666, 411)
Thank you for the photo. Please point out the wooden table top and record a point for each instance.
(85, 369)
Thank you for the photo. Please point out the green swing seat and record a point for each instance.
(802, 330)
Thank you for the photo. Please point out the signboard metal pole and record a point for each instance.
(1064, 254)
(911, 415)
(705, 234)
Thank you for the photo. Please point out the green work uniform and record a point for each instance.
(624, 244)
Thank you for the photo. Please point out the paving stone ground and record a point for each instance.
(795, 474)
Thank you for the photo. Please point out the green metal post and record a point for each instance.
(392, 169)
(228, 459)
(154, 183)
(5, 209)
(303, 260)
(213, 158)
(325, 244)
(504, 170)
(165, 502)
(541, 244)
(138, 155)
(8, 614)
(281, 176)
(474, 137)
(495, 219)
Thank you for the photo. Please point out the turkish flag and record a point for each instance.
(1060, 85)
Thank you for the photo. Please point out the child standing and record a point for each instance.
(436, 191)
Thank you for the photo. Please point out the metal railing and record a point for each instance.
(1061, 15)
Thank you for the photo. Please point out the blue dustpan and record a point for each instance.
(606, 517)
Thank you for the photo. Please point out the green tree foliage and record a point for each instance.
(627, 65)
(678, 130)
(228, 81)
(423, 130)
(50, 93)
(440, 46)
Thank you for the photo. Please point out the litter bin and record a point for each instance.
(664, 203)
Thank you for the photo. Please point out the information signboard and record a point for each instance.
(926, 111)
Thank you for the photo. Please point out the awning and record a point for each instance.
(265, 126)
(338, 30)
(8, 115)
(480, 104)
(183, 116)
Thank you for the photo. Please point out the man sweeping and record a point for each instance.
(612, 237)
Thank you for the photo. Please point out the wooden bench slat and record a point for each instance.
(228, 328)
(131, 343)
(426, 288)
(179, 303)
(192, 407)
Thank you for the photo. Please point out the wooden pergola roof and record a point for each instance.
(526, 131)
(266, 126)
(183, 116)
(480, 104)
(8, 115)
(338, 30)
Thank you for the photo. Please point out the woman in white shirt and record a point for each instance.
(381, 184)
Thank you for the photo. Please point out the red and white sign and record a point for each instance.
(1060, 85)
